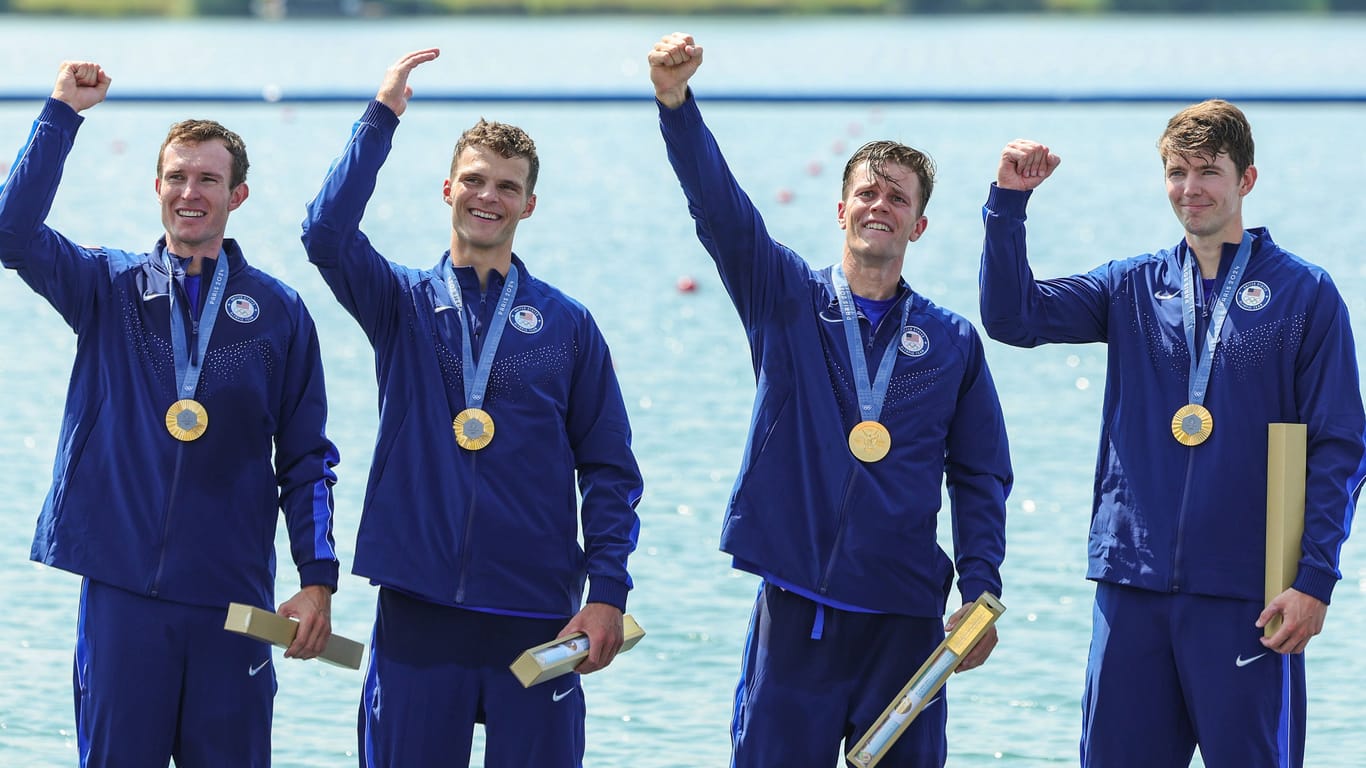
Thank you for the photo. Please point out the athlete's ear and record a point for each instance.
(446, 191)
(237, 196)
(919, 228)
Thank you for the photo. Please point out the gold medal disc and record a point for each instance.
(473, 429)
(186, 420)
(869, 441)
(1192, 424)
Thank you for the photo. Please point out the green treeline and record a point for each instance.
(377, 8)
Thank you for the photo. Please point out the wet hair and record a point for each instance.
(878, 154)
(507, 140)
(200, 131)
(1207, 129)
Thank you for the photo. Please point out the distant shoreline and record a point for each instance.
(277, 9)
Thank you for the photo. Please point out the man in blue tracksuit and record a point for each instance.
(869, 396)
(496, 391)
(192, 368)
(1209, 342)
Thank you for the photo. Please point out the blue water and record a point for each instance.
(611, 229)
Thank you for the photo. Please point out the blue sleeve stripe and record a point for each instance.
(323, 541)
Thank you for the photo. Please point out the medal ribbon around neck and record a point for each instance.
(473, 426)
(187, 419)
(1193, 423)
(869, 440)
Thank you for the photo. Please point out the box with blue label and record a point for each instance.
(559, 657)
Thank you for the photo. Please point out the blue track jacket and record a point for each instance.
(130, 505)
(1172, 518)
(494, 529)
(805, 510)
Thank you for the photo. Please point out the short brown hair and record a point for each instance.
(200, 131)
(507, 140)
(1207, 129)
(879, 153)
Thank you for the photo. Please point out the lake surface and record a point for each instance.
(611, 228)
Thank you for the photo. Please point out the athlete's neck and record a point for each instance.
(872, 281)
(1209, 249)
(483, 261)
(194, 265)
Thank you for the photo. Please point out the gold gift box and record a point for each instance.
(280, 630)
(927, 680)
(560, 656)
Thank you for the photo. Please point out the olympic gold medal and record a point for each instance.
(473, 429)
(1192, 424)
(186, 420)
(869, 441)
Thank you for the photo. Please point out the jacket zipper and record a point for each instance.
(839, 533)
(474, 466)
(179, 456)
(853, 478)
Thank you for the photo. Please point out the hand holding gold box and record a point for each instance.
(925, 682)
(560, 656)
(280, 630)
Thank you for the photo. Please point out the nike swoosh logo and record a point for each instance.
(251, 671)
(443, 307)
(1164, 295)
(557, 695)
(1242, 662)
(149, 295)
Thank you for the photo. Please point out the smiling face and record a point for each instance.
(1207, 193)
(881, 212)
(488, 196)
(194, 187)
(1207, 156)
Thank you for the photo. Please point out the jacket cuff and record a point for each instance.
(973, 589)
(380, 116)
(319, 572)
(60, 114)
(610, 591)
(1316, 583)
(687, 112)
(1008, 202)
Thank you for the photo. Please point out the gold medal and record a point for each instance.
(869, 441)
(473, 429)
(1192, 424)
(186, 420)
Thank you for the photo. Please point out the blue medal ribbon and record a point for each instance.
(189, 363)
(477, 378)
(870, 395)
(1201, 363)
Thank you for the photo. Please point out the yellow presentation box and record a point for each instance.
(559, 657)
(927, 680)
(280, 630)
(1286, 464)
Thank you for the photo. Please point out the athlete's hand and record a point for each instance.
(313, 608)
(602, 623)
(1025, 164)
(395, 91)
(81, 84)
(673, 61)
(979, 653)
(1302, 617)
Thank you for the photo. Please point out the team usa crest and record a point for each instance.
(914, 342)
(243, 308)
(526, 319)
(1254, 295)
